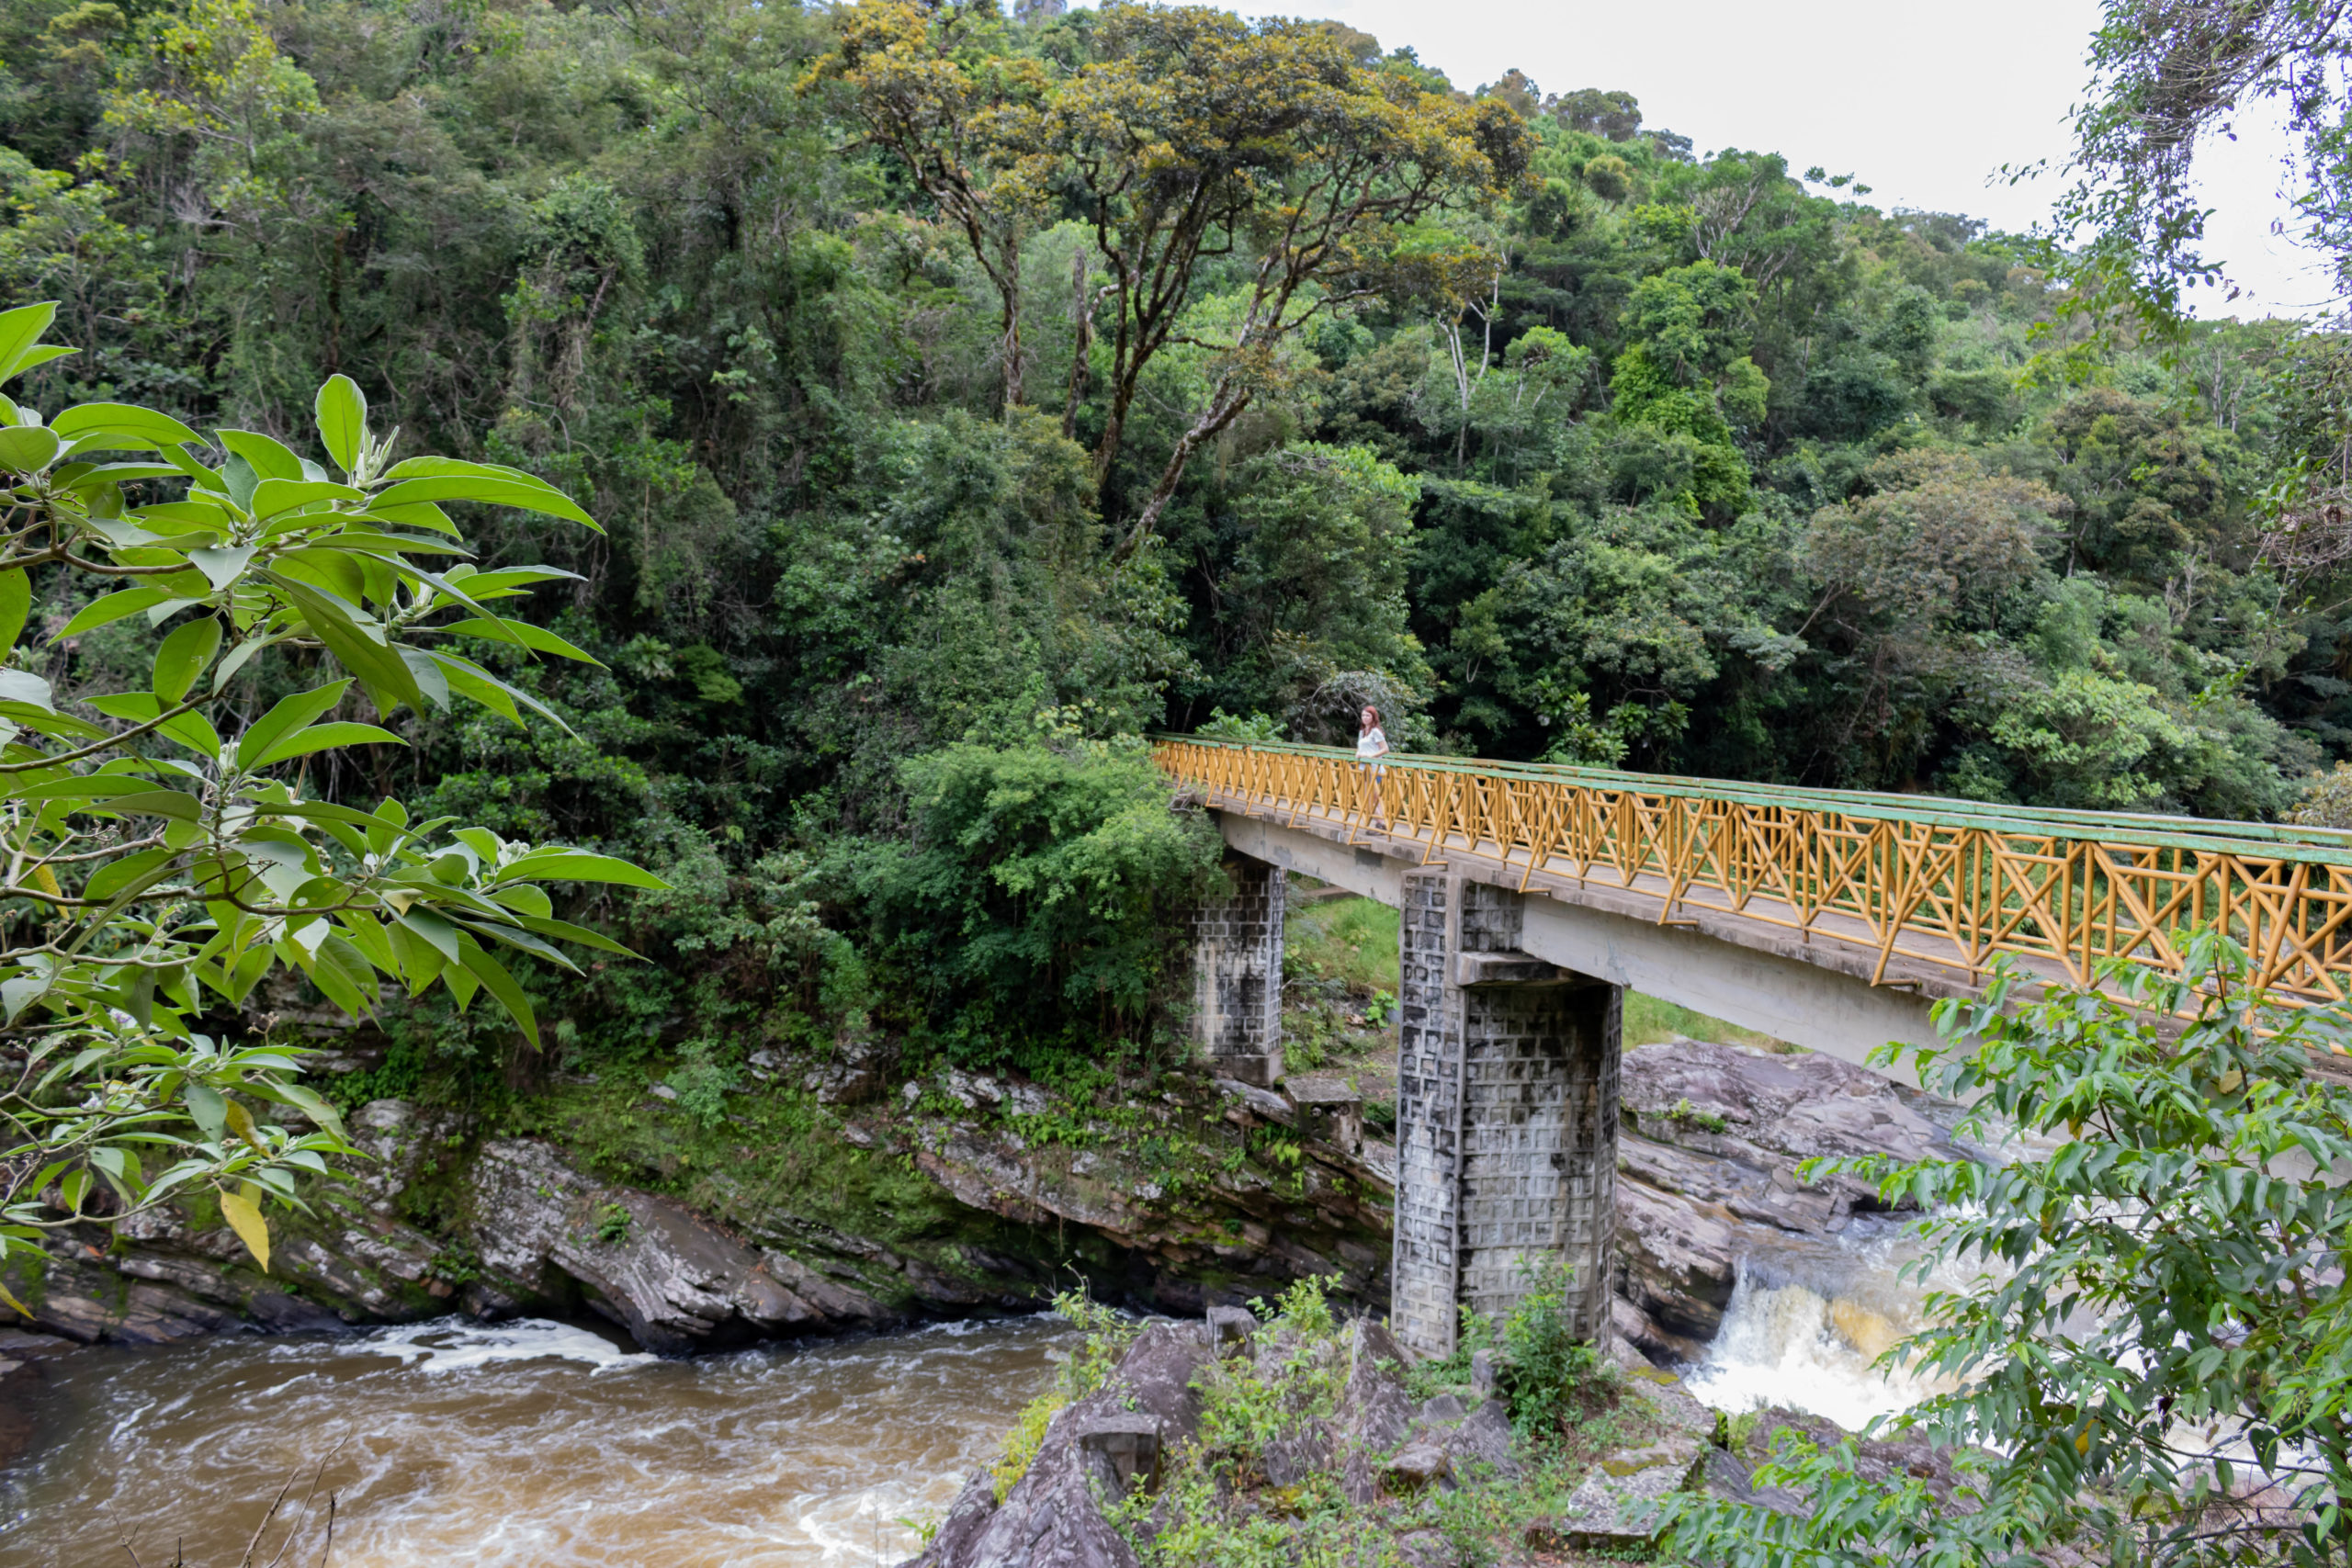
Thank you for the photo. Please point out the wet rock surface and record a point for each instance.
(671, 1278)
(1712, 1138)
(1706, 1164)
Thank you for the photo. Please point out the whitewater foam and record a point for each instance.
(458, 1344)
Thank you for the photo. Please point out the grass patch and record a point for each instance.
(1353, 940)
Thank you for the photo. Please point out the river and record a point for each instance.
(524, 1445)
(543, 1445)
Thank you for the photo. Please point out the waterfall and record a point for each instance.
(1805, 1326)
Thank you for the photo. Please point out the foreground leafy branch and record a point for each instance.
(153, 871)
(2153, 1362)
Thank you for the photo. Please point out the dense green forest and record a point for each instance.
(965, 396)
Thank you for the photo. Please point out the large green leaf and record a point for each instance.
(24, 686)
(27, 448)
(501, 984)
(268, 457)
(324, 738)
(579, 865)
(288, 715)
(183, 657)
(21, 328)
(16, 603)
(273, 496)
(342, 412)
(159, 803)
(535, 638)
(379, 668)
(223, 566)
(143, 427)
(115, 876)
(494, 491)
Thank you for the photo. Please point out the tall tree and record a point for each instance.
(2168, 74)
(1198, 135)
(934, 92)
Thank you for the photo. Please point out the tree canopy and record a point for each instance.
(933, 370)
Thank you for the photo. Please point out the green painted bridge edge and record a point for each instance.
(2264, 840)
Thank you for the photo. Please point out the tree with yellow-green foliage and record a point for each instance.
(934, 90)
(1193, 136)
(1196, 133)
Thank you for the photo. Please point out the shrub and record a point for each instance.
(158, 869)
(1043, 897)
(1543, 1361)
(2156, 1328)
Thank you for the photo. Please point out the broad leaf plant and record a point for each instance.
(162, 856)
(2153, 1361)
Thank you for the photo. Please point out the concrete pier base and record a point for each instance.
(1506, 1116)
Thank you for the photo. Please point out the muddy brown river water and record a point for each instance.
(523, 1445)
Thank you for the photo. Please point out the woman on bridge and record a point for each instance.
(1370, 746)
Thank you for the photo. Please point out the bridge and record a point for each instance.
(1533, 894)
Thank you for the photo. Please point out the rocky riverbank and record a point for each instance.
(1315, 1437)
(961, 1194)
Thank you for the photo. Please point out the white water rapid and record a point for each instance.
(520, 1445)
(1806, 1322)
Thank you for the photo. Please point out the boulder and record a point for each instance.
(1231, 1328)
(1374, 1410)
(1052, 1517)
(672, 1279)
(1479, 1446)
(1775, 1109)
(1615, 1507)
(1415, 1467)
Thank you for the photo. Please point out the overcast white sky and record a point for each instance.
(1922, 102)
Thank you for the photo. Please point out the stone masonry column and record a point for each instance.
(1237, 973)
(1506, 1116)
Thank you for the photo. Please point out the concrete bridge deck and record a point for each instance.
(1532, 896)
(1833, 918)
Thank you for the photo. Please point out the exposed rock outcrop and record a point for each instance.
(1053, 1518)
(1220, 1234)
(1265, 1190)
(671, 1278)
(1707, 1159)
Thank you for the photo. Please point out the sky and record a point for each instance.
(1923, 103)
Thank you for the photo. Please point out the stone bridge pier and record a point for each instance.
(1506, 1117)
(1506, 1094)
(1237, 973)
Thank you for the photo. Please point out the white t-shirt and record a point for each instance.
(1370, 744)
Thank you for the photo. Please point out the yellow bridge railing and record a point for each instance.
(1925, 881)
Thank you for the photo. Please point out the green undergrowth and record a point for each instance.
(1107, 1334)
(772, 1149)
(1218, 1505)
(1352, 941)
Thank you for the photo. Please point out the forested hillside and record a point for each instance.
(961, 394)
